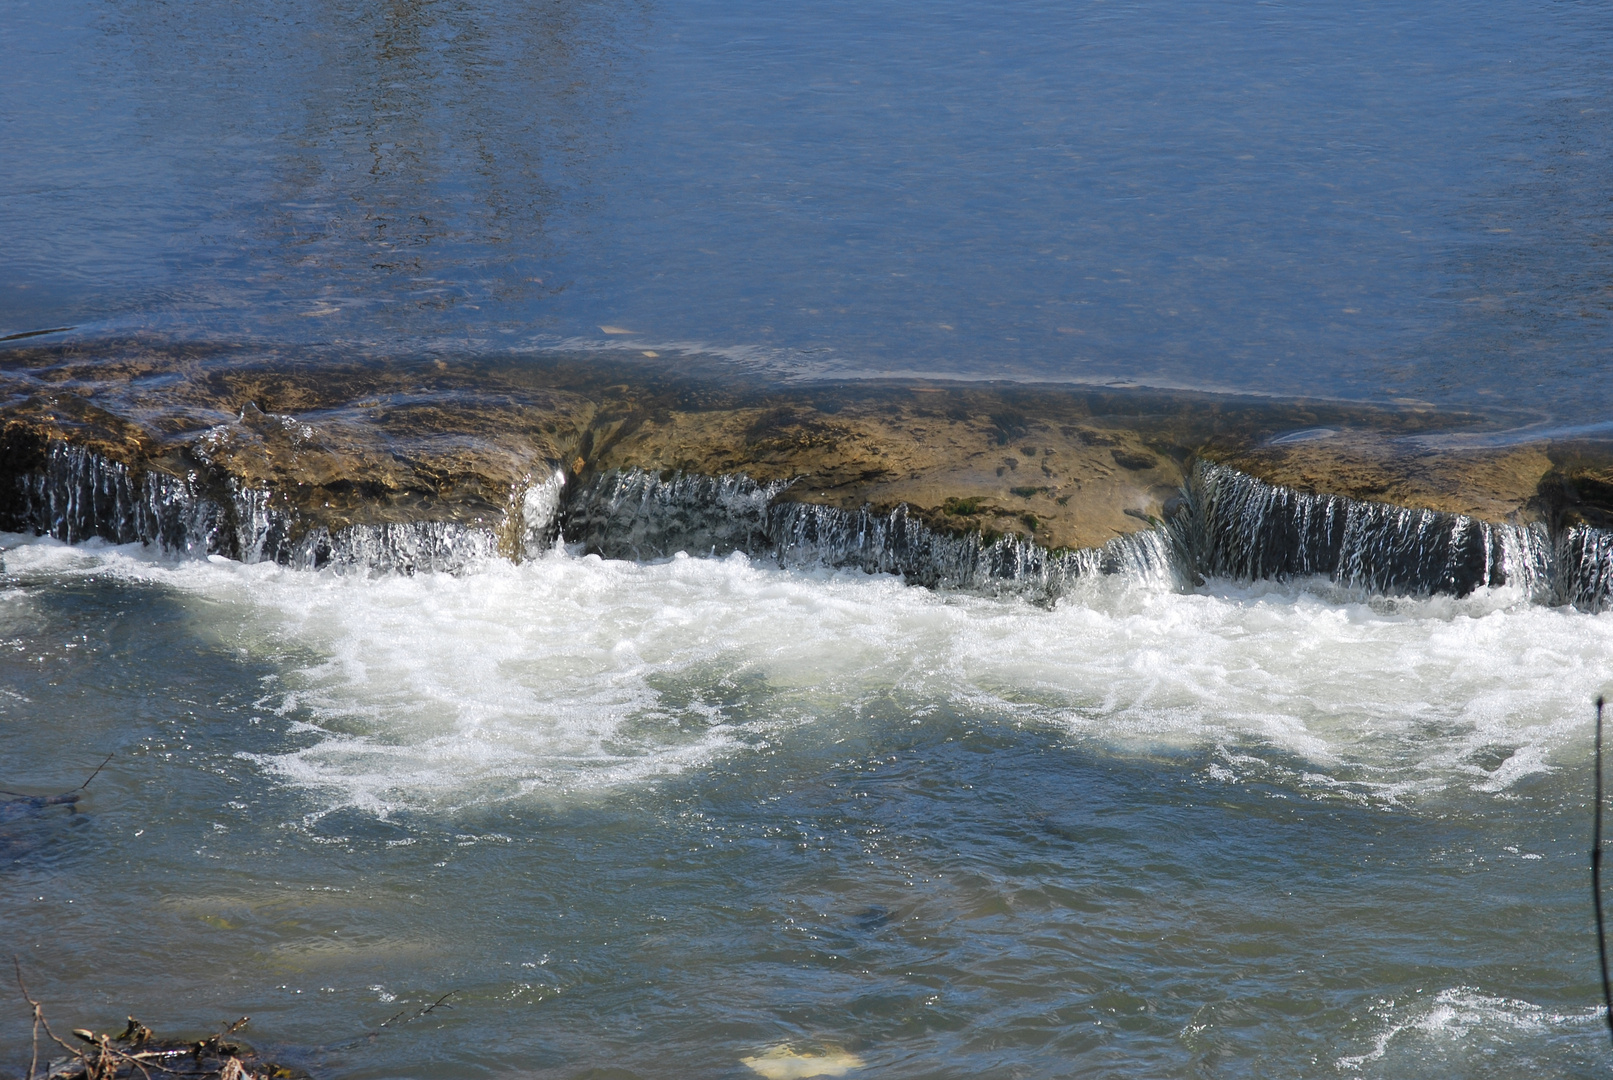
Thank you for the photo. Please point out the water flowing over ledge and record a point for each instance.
(78, 495)
(638, 515)
(634, 514)
(1243, 528)
(1232, 525)
(1226, 524)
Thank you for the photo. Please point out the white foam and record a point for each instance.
(1462, 1018)
(568, 674)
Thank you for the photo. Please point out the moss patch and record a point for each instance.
(962, 506)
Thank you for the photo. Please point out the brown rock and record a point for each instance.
(351, 439)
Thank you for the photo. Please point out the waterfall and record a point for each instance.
(78, 494)
(1238, 527)
(1226, 524)
(1584, 558)
(641, 515)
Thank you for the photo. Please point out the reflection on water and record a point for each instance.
(1401, 201)
(244, 168)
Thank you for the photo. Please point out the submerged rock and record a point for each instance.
(22, 806)
(788, 1063)
(23, 826)
(23, 817)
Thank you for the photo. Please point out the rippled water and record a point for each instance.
(664, 817)
(1400, 200)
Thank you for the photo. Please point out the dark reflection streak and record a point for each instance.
(399, 144)
(36, 333)
(359, 164)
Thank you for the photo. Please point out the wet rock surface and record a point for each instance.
(319, 444)
(332, 444)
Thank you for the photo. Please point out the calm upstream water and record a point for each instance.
(1366, 200)
(706, 817)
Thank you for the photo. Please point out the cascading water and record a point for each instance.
(1228, 524)
(1584, 560)
(78, 494)
(1233, 525)
(638, 514)
(643, 515)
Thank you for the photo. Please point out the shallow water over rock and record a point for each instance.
(1396, 203)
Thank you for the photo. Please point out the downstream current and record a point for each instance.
(706, 817)
(656, 819)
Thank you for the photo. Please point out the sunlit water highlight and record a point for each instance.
(680, 814)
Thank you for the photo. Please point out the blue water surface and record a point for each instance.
(1366, 200)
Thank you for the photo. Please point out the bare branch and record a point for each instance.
(439, 1002)
(33, 1062)
(39, 1012)
(97, 771)
(429, 1008)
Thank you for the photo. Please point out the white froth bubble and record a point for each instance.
(1458, 1015)
(566, 675)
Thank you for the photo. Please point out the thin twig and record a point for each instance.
(1596, 876)
(404, 1015)
(33, 1062)
(424, 1011)
(108, 1062)
(81, 787)
(39, 1013)
(140, 1061)
(227, 1029)
(439, 1002)
(97, 771)
(388, 1021)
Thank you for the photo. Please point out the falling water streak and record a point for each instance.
(641, 515)
(1228, 524)
(1584, 558)
(79, 495)
(1233, 525)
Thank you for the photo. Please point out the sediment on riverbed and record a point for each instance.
(435, 462)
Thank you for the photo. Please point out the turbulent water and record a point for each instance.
(671, 815)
